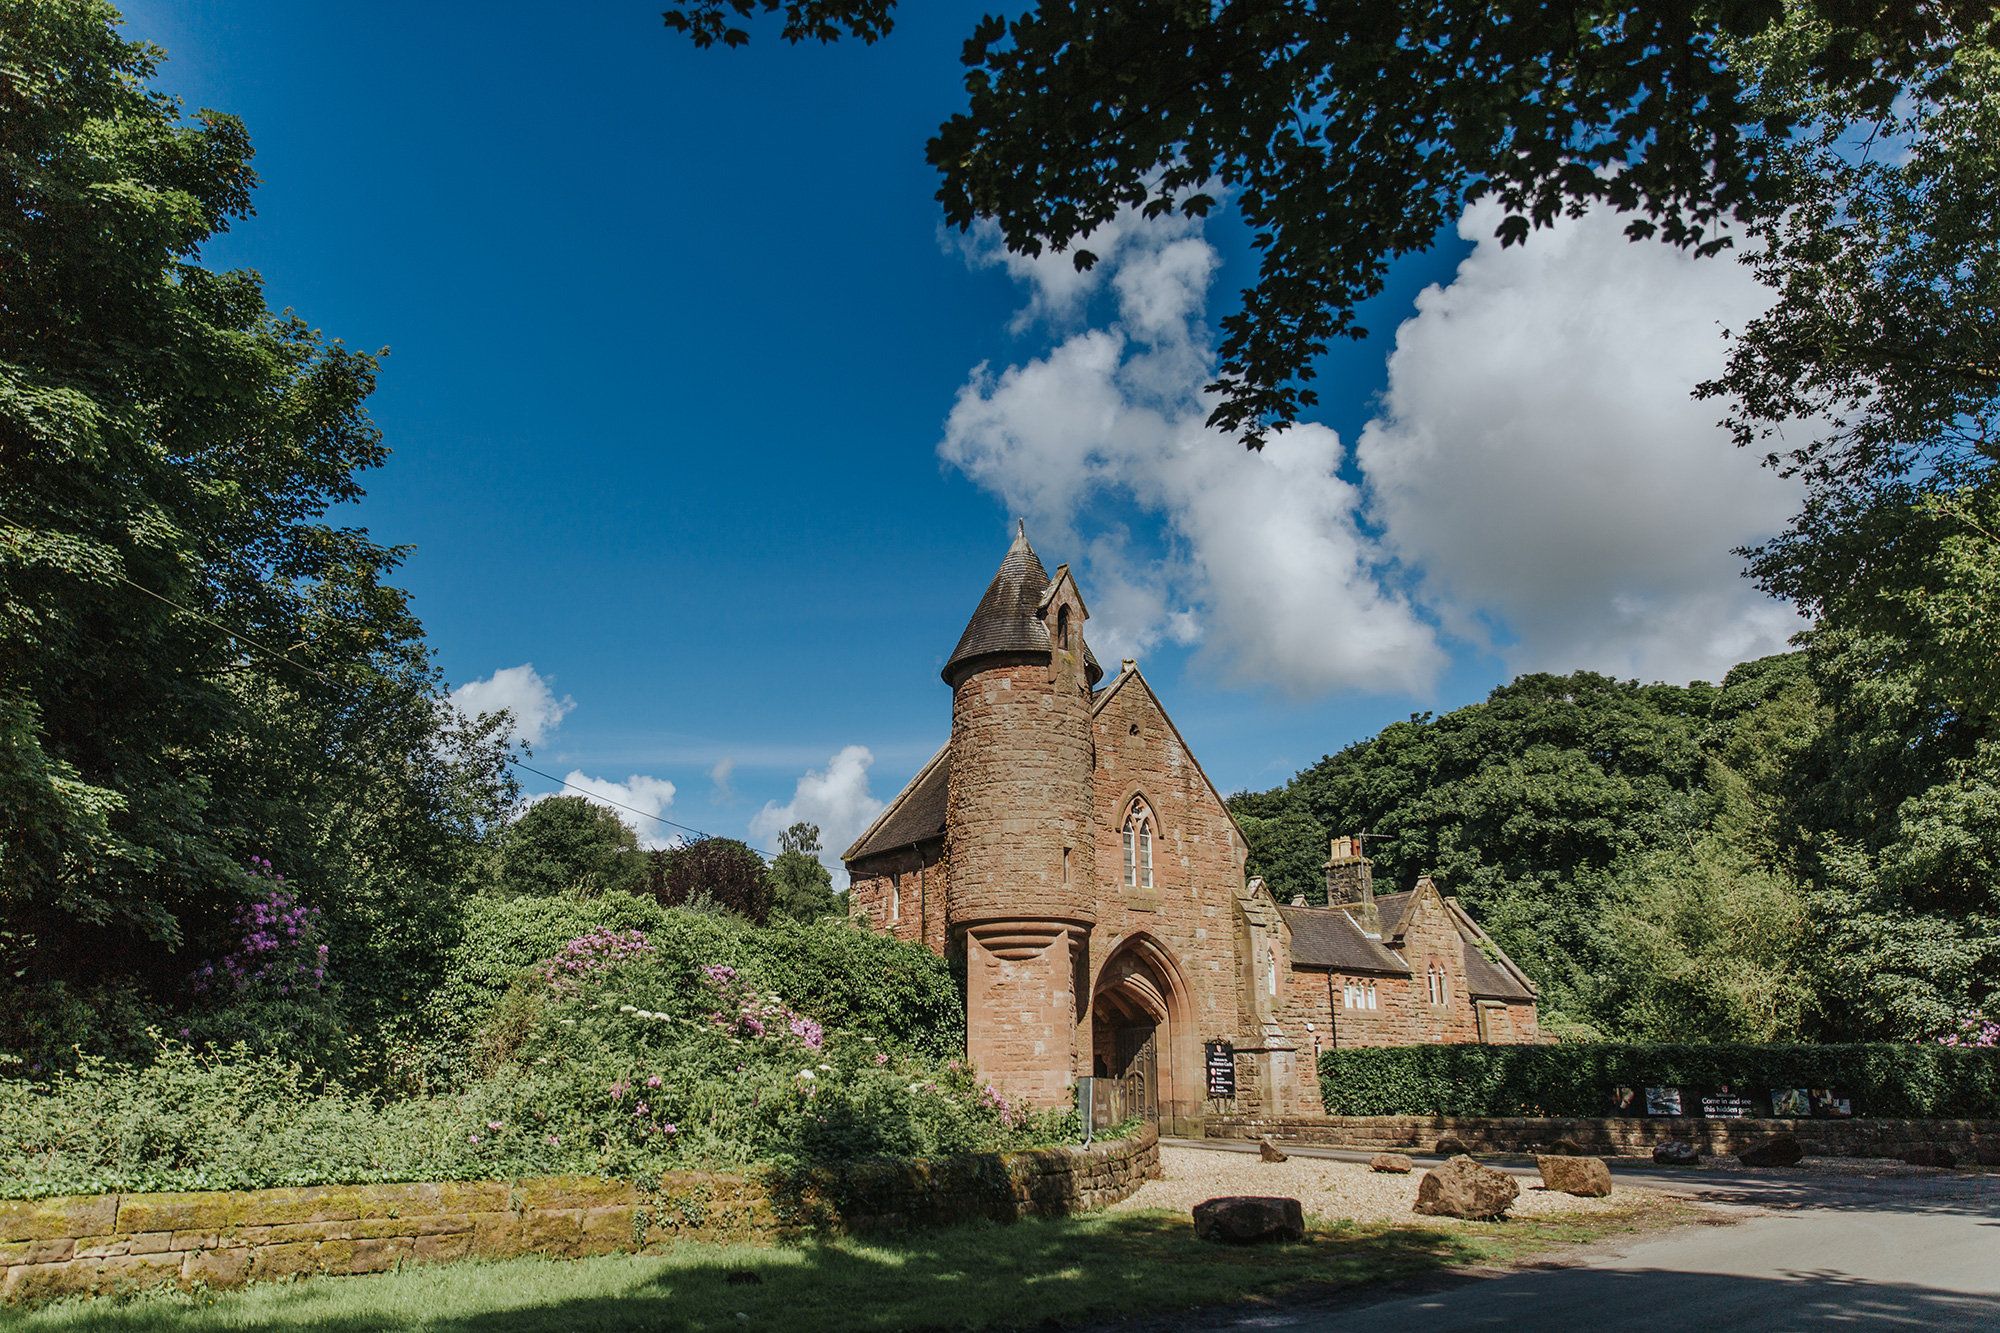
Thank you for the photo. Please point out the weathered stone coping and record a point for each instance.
(1616, 1136)
(111, 1242)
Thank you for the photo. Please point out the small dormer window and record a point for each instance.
(1138, 846)
(1062, 628)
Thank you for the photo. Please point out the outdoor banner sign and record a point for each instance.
(1791, 1103)
(1663, 1101)
(1726, 1103)
(1221, 1069)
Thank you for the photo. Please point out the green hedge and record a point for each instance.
(1884, 1079)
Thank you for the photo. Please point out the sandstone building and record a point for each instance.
(1066, 845)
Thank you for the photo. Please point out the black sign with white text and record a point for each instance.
(1221, 1069)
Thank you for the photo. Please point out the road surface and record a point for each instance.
(1807, 1253)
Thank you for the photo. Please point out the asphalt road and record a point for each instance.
(1807, 1253)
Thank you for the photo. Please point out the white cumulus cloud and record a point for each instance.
(1537, 481)
(1268, 567)
(1538, 457)
(836, 798)
(631, 800)
(523, 692)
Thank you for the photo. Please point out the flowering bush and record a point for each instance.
(747, 1014)
(589, 954)
(280, 946)
(1975, 1030)
(272, 990)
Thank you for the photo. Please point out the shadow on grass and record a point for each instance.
(982, 1275)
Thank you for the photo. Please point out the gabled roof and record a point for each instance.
(1102, 699)
(1009, 617)
(1490, 978)
(1329, 937)
(916, 815)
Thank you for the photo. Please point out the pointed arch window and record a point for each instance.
(1138, 846)
(1440, 983)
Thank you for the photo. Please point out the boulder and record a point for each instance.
(1464, 1188)
(1566, 1148)
(1269, 1151)
(1452, 1146)
(1247, 1219)
(1930, 1154)
(1676, 1152)
(1778, 1150)
(1586, 1177)
(1392, 1162)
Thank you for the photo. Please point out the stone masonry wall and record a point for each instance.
(1615, 1137)
(1192, 909)
(107, 1243)
(902, 893)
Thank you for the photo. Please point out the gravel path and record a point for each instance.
(1331, 1189)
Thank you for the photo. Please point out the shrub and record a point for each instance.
(1885, 1079)
(895, 991)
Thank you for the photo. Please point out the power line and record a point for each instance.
(241, 637)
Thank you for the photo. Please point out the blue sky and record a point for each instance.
(676, 342)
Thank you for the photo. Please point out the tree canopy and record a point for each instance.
(1350, 134)
(196, 667)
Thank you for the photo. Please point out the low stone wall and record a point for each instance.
(111, 1242)
(1618, 1137)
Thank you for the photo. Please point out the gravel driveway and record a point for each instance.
(1331, 1189)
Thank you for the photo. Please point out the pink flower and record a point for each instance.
(653, 1082)
(493, 1124)
(554, 1142)
(881, 1059)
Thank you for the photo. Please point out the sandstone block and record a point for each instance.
(293, 1259)
(195, 1240)
(58, 1218)
(573, 1192)
(554, 1233)
(37, 1252)
(1452, 1146)
(1676, 1152)
(1394, 1163)
(218, 1268)
(1778, 1150)
(496, 1235)
(377, 1256)
(1566, 1147)
(1464, 1188)
(1585, 1177)
(1268, 1151)
(1248, 1219)
(441, 1249)
(1930, 1154)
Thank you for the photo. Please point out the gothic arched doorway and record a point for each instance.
(1141, 1037)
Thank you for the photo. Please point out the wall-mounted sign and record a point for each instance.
(1221, 1069)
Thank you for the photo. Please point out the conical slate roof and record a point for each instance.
(1009, 618)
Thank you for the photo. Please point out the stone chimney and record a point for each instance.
(1350, 883)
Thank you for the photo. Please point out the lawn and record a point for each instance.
(976, 1276)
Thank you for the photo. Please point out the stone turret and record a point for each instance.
(1018, 824)
(1350, 883)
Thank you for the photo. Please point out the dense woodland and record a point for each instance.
(1798, 853)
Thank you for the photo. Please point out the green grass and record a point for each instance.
(977, 1276)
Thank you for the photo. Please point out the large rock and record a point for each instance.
(1676, 1152)
(1464, 1188)
(1452, 1146)
(1778, 1150)
(1931, 1154)
(1567, 1147)
(1587, 1177)
(1392, 1162)
(1269, 1151)
(1247, 1219)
